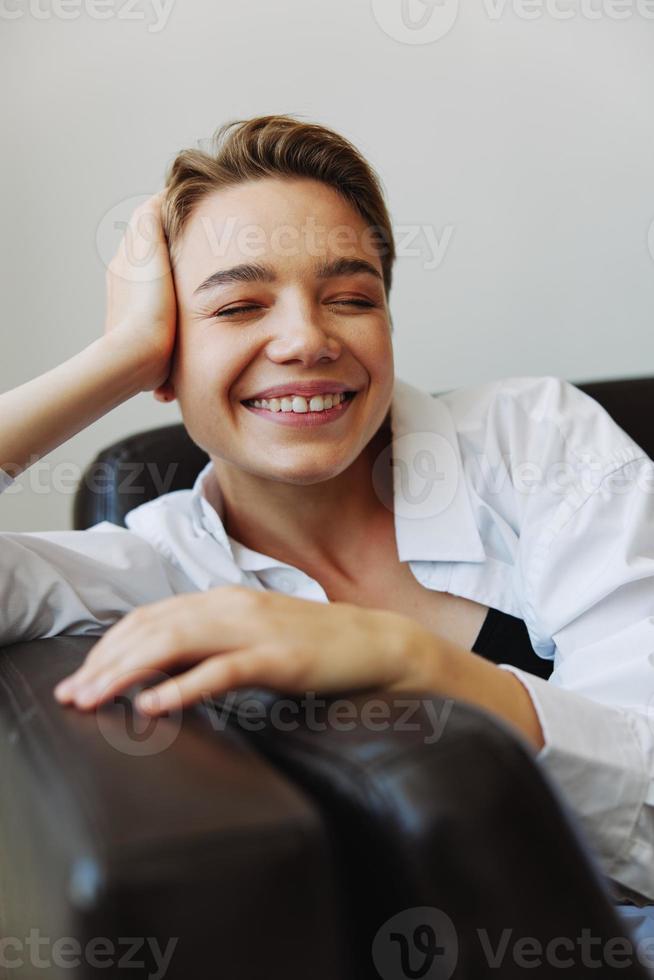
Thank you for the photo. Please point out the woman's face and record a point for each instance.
(301, 324)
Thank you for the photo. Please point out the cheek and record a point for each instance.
(375, 350)
(207, 371)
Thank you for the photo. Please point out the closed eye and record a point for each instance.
(351, 302)
(230, 311)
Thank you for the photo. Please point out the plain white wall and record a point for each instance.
(521, 135)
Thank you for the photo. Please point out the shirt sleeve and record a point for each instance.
(588, 572)
(78, 582)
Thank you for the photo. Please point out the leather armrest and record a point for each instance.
(184, 833)
(437, 804)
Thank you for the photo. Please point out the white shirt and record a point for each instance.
(521, 494)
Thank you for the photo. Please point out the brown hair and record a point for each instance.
(271, 146)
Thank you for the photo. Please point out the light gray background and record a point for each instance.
(531, 140)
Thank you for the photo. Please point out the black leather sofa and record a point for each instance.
(261, 854)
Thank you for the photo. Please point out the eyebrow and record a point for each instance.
(257, 272)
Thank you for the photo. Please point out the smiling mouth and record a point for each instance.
(302, 407)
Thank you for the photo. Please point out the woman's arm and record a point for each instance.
(133, 355)
(81, 582)
(46, 411)
(234, 636)
(454, 672)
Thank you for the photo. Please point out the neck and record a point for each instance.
(320, 528)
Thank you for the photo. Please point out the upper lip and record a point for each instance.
(306, 388)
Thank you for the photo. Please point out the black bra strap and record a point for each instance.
(504, 639)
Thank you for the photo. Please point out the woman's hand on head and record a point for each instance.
(233, 636)
(141, 304)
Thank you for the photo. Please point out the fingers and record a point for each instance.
(107, 686)
(207, 679)
(130, 663)
(179, 630)
(142, 254)
(136, 635)
(143, 235)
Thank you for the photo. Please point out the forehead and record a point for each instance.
(292, 223)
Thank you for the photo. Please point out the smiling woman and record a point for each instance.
(262, 304)
(282, 253)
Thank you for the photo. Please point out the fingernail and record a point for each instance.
(85, 696)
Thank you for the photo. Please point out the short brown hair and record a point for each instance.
(272, 146)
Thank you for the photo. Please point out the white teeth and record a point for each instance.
(299, 404)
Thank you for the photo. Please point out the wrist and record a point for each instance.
(433, 664)
(422, 660)
(125, 360)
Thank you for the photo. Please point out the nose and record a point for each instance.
(302, 337)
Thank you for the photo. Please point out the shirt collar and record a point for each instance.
(434, 520)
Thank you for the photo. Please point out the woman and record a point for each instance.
(306, 557)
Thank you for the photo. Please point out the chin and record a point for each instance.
(302, 473)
